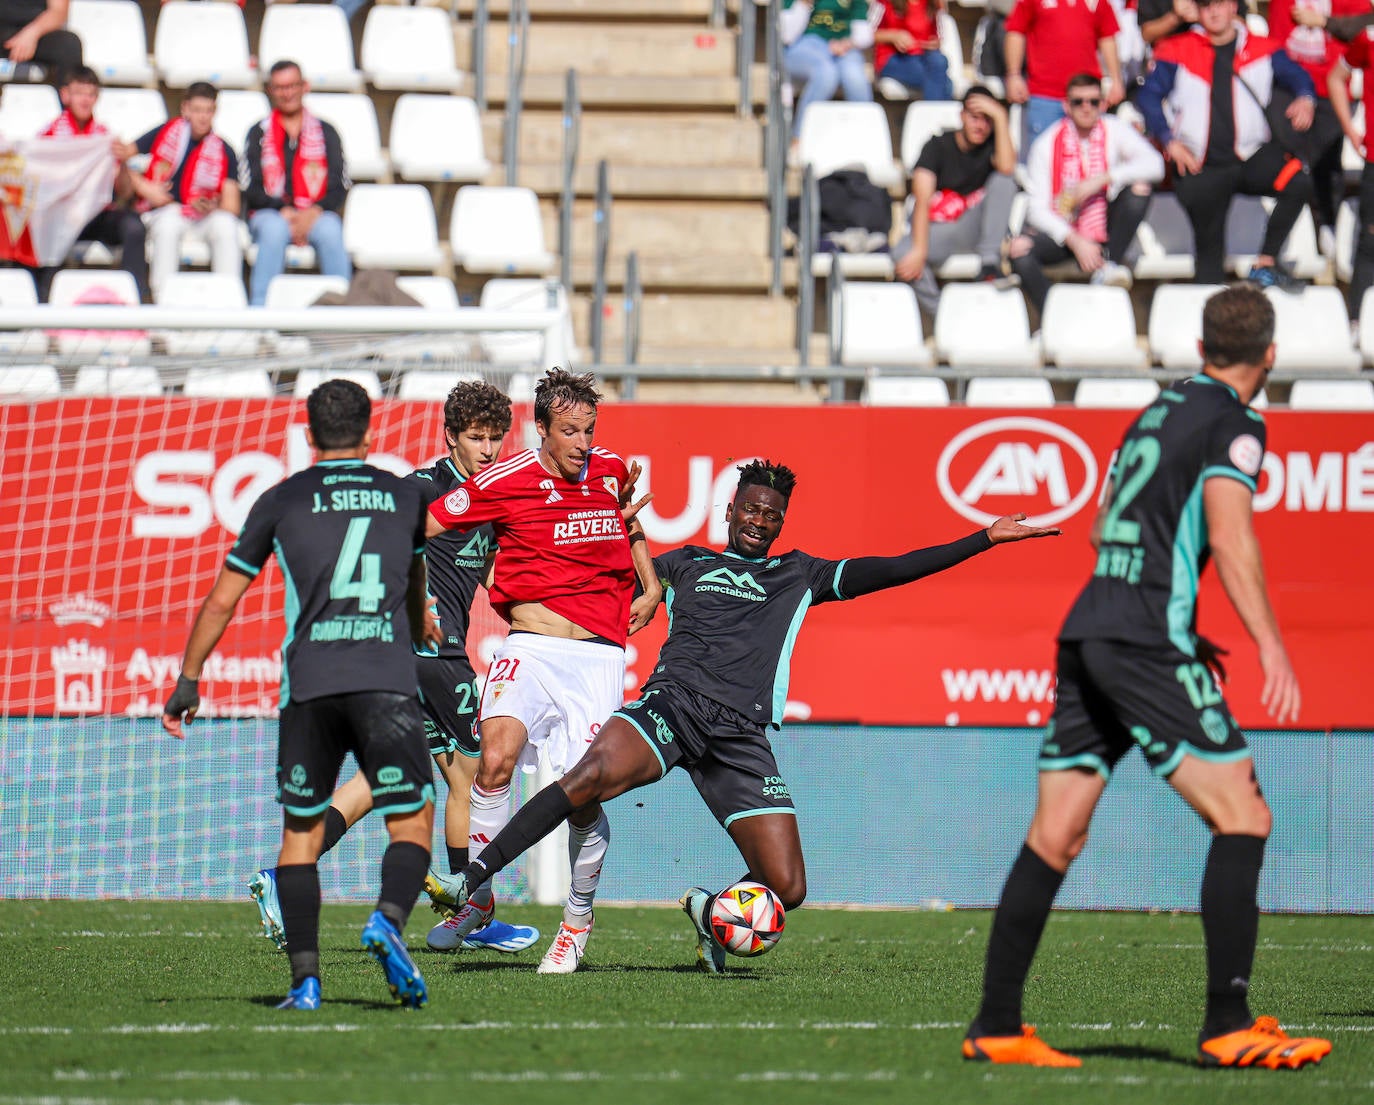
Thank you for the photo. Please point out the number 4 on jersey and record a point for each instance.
(368, 587)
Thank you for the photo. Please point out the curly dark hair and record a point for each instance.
(764, 473)
(338, 412)
(559, 389)
(476, 403)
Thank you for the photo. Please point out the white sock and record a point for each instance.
(489, 813)
(586, 852)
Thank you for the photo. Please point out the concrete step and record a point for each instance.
(637, 10)
(668, 228)
(691, 272)
(649, 181)
(616, 50)
(683, 141)
(742, 327)
(672, 93)
(788, 389)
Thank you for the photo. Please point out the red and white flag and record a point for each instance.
(49, 189)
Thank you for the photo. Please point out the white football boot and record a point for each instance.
(710, 951)
(565, 953)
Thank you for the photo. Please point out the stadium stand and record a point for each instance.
(117, 380)
(355, 118)
(130, 113)
(200, 42)
(437, 138)
(880, 325)
(978, 326)
(316, 36)
(1009, 391)
(1087, 326)
(1332, 395)
(392, 226)
(114, 40)
(410, 48)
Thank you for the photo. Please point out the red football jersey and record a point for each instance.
(562, 542)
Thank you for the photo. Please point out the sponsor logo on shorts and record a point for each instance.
(1213, 723)
(1246, 453)
(774, 786)
(663, 732)
(389, 776)
(457, 502)
(740, 585)
(295, 784)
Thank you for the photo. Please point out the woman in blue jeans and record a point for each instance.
(908, 48)
(826, 40)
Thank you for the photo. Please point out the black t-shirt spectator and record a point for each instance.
(255, 196)
(145, 145)
(1147, 11)
(956, 170)
(1221, 137)
(20, 13)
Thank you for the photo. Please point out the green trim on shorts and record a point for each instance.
(1064, 763)
(426, 799)
(755, 813)
(1170, 765)
(474, 754)
(308, 811)
(662, 767)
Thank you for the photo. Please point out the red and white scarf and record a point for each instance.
(948, 206)
(309, 173)
(202, 176)
(64, 126)
(1074, 161)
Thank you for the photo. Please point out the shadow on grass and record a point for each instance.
(1134, 1053)
(469, 966)
(271, 1001)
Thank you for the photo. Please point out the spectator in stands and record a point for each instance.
(1090, 184)
(1219, 139)
(961, 197)
(1358, 55)
(1160, 19)
(35, 31)
(190, 188)
(1051, 40)
(1314, 33)
(118, 224)
(294, 184)
(824, 45)
(907, 48)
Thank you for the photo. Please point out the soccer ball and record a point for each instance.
(747, 918)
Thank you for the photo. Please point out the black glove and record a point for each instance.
(185, 699)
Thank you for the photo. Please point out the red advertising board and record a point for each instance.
(117, 514)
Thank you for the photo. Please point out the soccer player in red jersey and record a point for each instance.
(564, 580)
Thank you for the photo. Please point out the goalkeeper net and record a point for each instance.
(131, 455)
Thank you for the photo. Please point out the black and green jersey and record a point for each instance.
(733, 621)
(832, 19)
(456, 559)
(1154, 543)
(345, 535)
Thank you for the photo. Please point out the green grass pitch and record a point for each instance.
(173, 1002)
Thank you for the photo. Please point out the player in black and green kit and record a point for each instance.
(1133, 672)
(349, 540)
(719, 687)
(477, 418)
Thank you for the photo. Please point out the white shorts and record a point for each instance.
(562, 691)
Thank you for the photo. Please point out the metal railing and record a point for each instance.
(776, 130)
(807, 233)
(517, 36)
(748, 24)
(633, 305)
(835, 328)
(602, 221)
(572, 134)
(480, 19)
(717, 13)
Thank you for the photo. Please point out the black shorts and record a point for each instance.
(1112, 696)
(383, 730)
(448, 697)
(726, 754)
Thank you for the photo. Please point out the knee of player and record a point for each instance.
(588, 780)
(790, 889)
(494, 772)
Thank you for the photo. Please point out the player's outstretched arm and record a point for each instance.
(866, 574)
(212, 620)
(425, 633)
(645, 604)
(1228, 506)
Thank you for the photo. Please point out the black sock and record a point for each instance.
(298, 891)
(404, 866)
(1017, 926)
(457, 859)
(334, 828)
(537, 818)
(1230, 924)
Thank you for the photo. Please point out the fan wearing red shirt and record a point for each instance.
(1358, 55)
(563, 579)
(1052, 40)
(907, 48)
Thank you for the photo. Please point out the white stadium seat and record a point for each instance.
(1090, 326)
(1347, 226)
(130, 113)
(317, 38)
(236, 112)
(211, 382)
(839, 135)
(1175, 325)
(308, 379)
(203, 42)
(905, 391)
(392, 226)
(354, 116)
(207, 291)
(1246, 221)
(17, 290)
(520, 347)
(1165, 239)
(1009, 391)
(1114, 393)
(1312, 331)
(296, 290)
(435, 293)
(25, 109)
(114, 40)
(1366, 327)
(410, 48)
(437, 138)
(430, 385)
(925, 119)
(1332, 395)
(29, 382)
(142, 380)
(498, 230)
(977, 326)
(880, 325)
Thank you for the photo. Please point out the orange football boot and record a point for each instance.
(1263, 1044)
(1027, 1049)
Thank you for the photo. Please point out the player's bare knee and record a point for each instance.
(790, 887)
(495, 772)
(585, 783)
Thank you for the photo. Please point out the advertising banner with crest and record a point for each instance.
(50, 188)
